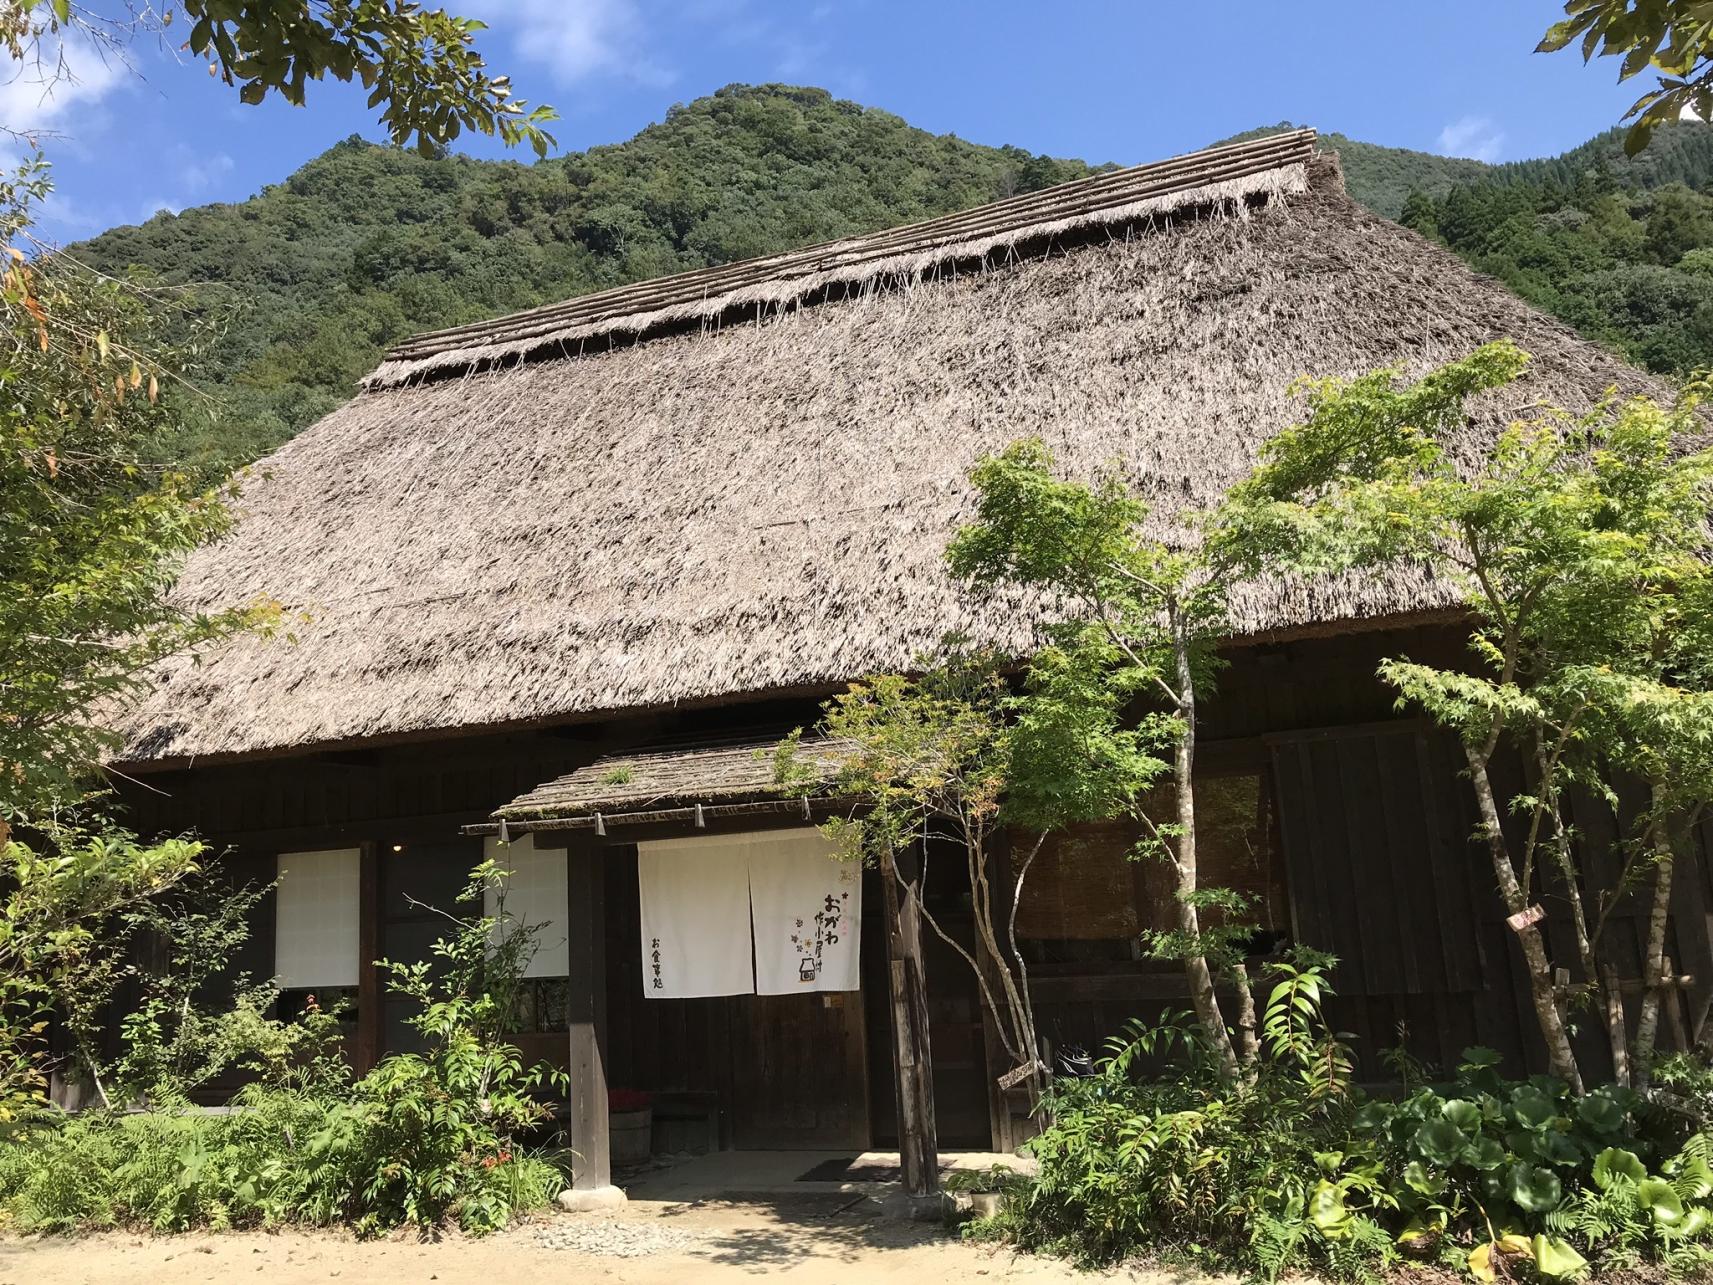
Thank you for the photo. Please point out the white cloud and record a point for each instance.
(154, 206)
(579, 39)
(199, 173)
(50, 94)
(1472, 136)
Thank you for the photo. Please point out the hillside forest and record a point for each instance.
(311, 279)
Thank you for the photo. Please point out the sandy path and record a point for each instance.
(727, 1243)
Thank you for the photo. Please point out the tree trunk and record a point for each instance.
(918, 1141)
(1560, 1057)
(1202, 993)
(1647, 1024)
(1602, 982)
(1248, 1046)
(1616, 1034)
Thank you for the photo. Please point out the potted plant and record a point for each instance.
(630, 1125)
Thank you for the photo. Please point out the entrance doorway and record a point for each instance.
(797, 1074)
(789, 1072)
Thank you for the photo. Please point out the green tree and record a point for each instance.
(61, 941)
(1673, 37)
(1136, 646)
(91, 536)
(1582, 553)
(420, 65)
(90, 540)
(95, 372)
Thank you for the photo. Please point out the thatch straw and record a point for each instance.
(742, 769)
(1219, 177)
(764, 507)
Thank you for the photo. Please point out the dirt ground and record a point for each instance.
(673, 1244)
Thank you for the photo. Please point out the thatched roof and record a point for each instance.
(746, 487)
(642, 784)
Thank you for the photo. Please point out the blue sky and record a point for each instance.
(1101, 80)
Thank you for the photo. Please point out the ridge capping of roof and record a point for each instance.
(1231, 174)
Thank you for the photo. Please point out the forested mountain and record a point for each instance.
(1620, 247)
(366, 244)
(1633, 269)
(1383, 178)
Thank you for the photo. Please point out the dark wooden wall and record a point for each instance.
(1374, 828)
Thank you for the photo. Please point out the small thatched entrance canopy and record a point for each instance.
(687, 784)
(730, 785)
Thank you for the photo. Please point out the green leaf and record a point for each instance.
(1463, 1113)
(1441, 1141)
(1614, 1163)
(1551, 1147)
(1555, 1257)
(1327, 1210)
(1601, 1111)
(1419, 1178)
(1484, 1154)
(1533, 1109)
(1661, 1200)
(1693, 1179)
(1534, 1189)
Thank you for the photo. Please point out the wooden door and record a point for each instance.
(798, 1079)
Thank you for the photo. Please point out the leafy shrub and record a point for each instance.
(1488, 1168)
(423, 1139)
(1296, 1169)
(1186, 1165)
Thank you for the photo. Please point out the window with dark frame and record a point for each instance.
(1094, 889)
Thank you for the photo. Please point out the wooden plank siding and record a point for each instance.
(1373, 820)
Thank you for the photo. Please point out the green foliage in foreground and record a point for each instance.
(404, 1150)
(418, 63)
(422, 1140)
(1297, 1171)
(1671, 37)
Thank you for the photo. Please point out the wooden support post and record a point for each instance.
(370, 995)
(586, 924)
(912, 1060)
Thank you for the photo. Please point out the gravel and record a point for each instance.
(610, 1239)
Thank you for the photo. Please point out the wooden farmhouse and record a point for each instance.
(565, 572)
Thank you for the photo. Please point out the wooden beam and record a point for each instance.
(586, 929)
(1113, 987)
(912, 1059)
(370, 998)
(669, 823)
(345, 834)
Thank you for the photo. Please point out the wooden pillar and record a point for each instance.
(586, 925)
(912, 1061)
(371, 996)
